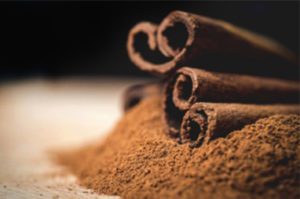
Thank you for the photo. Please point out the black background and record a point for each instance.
(57, 39)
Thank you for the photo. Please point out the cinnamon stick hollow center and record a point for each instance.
(207, 121)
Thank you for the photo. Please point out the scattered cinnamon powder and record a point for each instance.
(138, 160)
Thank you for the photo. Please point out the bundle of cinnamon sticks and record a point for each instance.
(215, 77)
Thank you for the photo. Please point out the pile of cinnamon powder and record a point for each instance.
(137, 160)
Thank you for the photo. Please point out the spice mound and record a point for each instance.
(138, 160)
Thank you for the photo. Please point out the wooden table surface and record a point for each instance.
(38, 116)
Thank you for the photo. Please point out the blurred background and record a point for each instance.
(59, 39)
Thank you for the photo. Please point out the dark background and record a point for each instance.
(57, 39)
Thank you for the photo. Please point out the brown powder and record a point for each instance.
(138, 160)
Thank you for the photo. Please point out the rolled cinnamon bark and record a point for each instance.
(188, 39)
(136, 93)
(190, 85)
(207, 121)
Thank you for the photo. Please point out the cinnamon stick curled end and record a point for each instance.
(204, 122)
(167, 43)
(194, 127)
(186, 85)
(177, 98)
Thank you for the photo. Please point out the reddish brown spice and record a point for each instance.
(138, 160)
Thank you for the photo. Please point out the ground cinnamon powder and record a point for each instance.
(138, 160)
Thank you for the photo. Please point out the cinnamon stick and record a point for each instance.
(191, 85)
(187, 39)
(207, 121)
(136, 93)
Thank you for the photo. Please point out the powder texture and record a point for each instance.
(138, 160)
